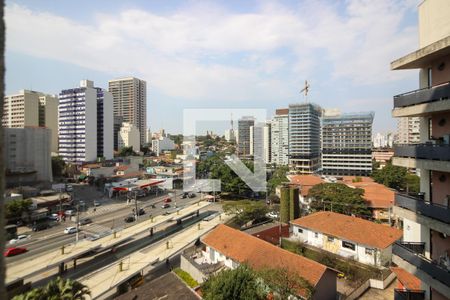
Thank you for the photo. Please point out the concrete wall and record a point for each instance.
(434, 21)
(186, 265)
(440, 245)
(441, 189)
(51, 119)
(439, 130)
(415, 232)
(326, 287)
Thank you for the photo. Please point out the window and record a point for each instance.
(300, 230)
(316, 235)
(369, 251)
(348, 245)
(330, 239)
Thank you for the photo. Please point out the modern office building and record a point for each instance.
(117, 123)
(280, 137)
(260, 141)
(408, 130)
(129, 137)
(304, 138)
(162, 144)
(85, 123)
(243, 138)
(347, 144)
(130, 102)
(27, 154)
(425, 218)
(31, 108)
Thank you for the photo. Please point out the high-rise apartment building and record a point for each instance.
(347, 144)
(383, 140)
(260, 145)
(280, 137)
(425, 218)
(408, 130)
(130, 102)
(31, 108)
(243, 137)
(117, 123)
(148, 137)
(85, 123)
(304, 138)
(129, 137)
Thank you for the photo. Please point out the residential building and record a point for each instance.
(31, 108)
(347, 144)
(304, 138)
(229, 135)
(383, 140)
(162, 144)
(260, 141)
(129, 137)
(130, 102)
(27, 155)
(148, 136)
(85, 123)
(425, 218)
(347, 236)
(408, 130)
(382, 156)
(280, 137)
(223, 248)
(118, 120)
(243, 138)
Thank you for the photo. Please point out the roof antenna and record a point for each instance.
(306, 90)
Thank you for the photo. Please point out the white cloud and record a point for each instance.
(187, 53)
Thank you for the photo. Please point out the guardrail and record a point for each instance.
(424, 95)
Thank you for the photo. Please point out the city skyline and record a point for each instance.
(192, 56)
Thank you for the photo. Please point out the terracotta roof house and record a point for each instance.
(232, 247)
(347, 236)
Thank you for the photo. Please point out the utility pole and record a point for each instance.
(136, 205)
(78, 222)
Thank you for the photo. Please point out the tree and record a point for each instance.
(277, 178)
(240, 283)
(246, 211)
(16, 208)
(57, 289)
(391, 176)
(412, 183)
(58, 165)
(126, 151)
(339, 198)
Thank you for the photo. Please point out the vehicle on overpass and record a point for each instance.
(14, 251)
(20, 239)
(70, 230)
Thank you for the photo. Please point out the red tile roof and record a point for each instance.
(306, 182)
(258, 254)
(408, 280)
(272, 234)
(350, 228)
(121, 168)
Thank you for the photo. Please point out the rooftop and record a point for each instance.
(260, 254)
(306, 182)
(408, 280)
(350, 228)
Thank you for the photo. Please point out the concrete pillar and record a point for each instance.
(62, 249)
(61, 268)
(425, 183)
(424, 129)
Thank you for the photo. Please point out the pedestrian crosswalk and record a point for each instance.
(96, 229)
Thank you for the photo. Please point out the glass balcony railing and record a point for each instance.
(423, 151)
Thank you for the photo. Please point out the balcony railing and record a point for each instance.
(430, 267)
(400, 294)
(425, 95)
(423, 151)
(425, 208)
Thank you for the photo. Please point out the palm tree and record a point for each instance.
(57, 289)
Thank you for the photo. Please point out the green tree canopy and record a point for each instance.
(14, 209)
(126, 151)
(239, 283)
(57, 289)
(245, 210)
(391, 176)
(278, 177)
(343, 199)
(58, 165)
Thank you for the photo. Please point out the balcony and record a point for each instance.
(429, 267)
(400, 294)
(425, 208)
(427, 151)
(426, 95)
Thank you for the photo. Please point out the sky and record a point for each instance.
(218, 54)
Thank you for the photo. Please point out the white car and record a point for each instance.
(272, 215)
(70, 230)
(69, 188)
(20, 238)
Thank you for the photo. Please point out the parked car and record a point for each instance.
(70, 212)
(165, 205)
(141, 212)
(70, 230)
(20, 239)
(14, 251)
(85, 221)
(167, 200)
(184, 195)
(53, 217)
(191, 195)
(272, 214)
(97, 203)
(40, 226)
(69, 188)
(129, 219)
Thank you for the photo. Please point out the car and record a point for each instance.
(70, 212)
(69, 188)
(191, 195)
(85, 221)
(141, 212)
(70, 230)
(165, 205)
(184, 195)
(97, 203)
(167, 200)
(40, 226)
(14, 251)
(129, 219)
(53, 217)
(20, 239)
(272, 214)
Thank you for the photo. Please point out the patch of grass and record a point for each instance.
(186, 277)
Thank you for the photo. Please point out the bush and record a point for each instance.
(186, 277)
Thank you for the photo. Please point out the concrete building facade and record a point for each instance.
(129, 137)
(130, 102)
(280, 137)
(85, 123)
(304, 138)
(243, 138)
(408, 130)
(425, 218)
(347, 144)
(27, 151)
(260, 145)
(162, 144)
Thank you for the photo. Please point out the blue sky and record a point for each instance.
(218, 54)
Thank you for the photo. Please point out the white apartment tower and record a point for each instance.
(280, 137)
(408, 130)
(260, 145)
(85, 123)
(129, 137)
(31, 108)
(130, 102)
(243, 135)
(425, 217)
